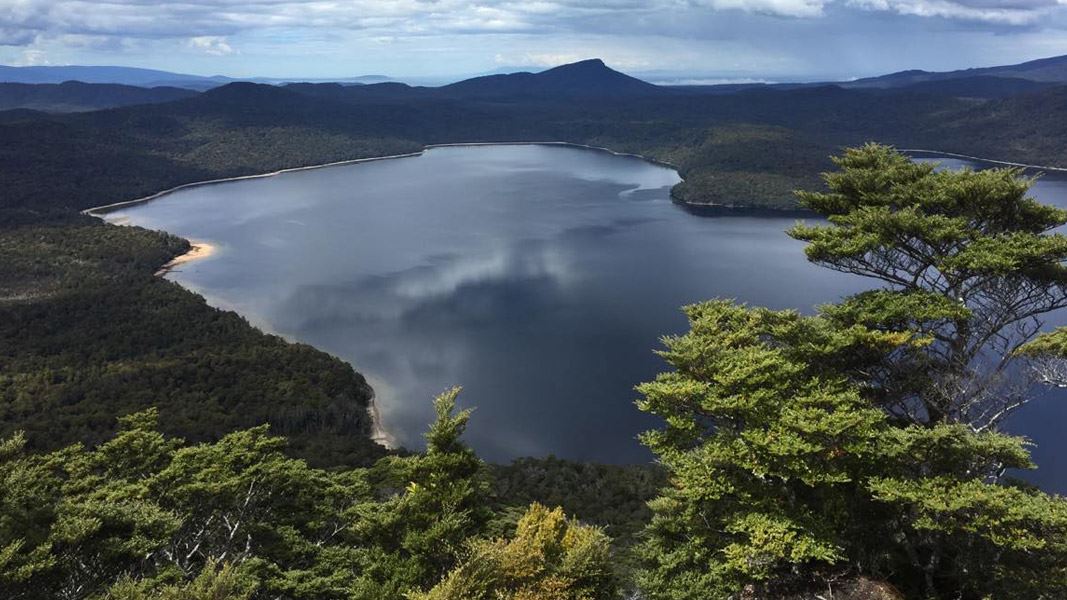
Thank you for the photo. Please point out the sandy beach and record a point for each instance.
(198, 251)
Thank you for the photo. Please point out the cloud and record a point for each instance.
(1006, 12)
(781, 8)
(22, 21)
(32, 58)
(211, 44)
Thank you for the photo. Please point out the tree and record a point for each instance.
(431, 503)
(765, 439)
(965, 257)
(215, 582)
(549, 558)
(785, 476)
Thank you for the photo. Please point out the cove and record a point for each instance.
(540, 278)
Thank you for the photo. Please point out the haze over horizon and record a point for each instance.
(690, 41)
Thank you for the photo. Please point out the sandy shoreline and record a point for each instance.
(378, 432)
(198, 250)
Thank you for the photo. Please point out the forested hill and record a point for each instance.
(590, 78)
(1049, 70)
(75, 96)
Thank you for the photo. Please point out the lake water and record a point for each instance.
(540, 278)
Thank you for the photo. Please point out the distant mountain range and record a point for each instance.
(75, 96)
(734, 145)
(1046, 70)
(585, 78)
(117, 75)
(151, 77)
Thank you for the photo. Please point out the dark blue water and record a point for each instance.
(540, 278)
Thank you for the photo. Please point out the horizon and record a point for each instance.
(657, 78)
(732, 40)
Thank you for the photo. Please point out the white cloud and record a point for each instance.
(211, 44)
(1006, 13)
(783, 8)
(32, 58)
(21, 21)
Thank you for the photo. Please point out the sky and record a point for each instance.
(705, 41)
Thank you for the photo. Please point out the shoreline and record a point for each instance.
(980, 159)
(198, 250)
(201, 249)
(103, 209)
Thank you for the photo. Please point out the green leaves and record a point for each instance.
(785, 470)
(548, 558)
(766, 437)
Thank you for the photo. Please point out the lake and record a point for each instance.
(538, 277)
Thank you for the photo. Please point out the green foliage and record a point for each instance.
(548, 558)
(613, 497)
(213, 583)
(766, 445)
(147, 516)
(969, 262)
(412, 538)
(88, 334)
(146, 507)
(786, 475)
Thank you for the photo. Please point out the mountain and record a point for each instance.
(75, 96)
(983, 87)
(588, 78)
(1047, 70)
(153, 77)
(119, 75)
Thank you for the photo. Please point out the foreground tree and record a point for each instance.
(786, 476)
(430, 504)
(548, 558)
(863, 442)
(965, 258)
(145, 516)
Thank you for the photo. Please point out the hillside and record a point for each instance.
(75, 96)
(107, 74)
(1048, 70)
(588, 78)
(88, 333)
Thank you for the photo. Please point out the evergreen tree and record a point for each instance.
(548, 558)
(433, 503)
(965, 257)
(784, 475)
(863, 442)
